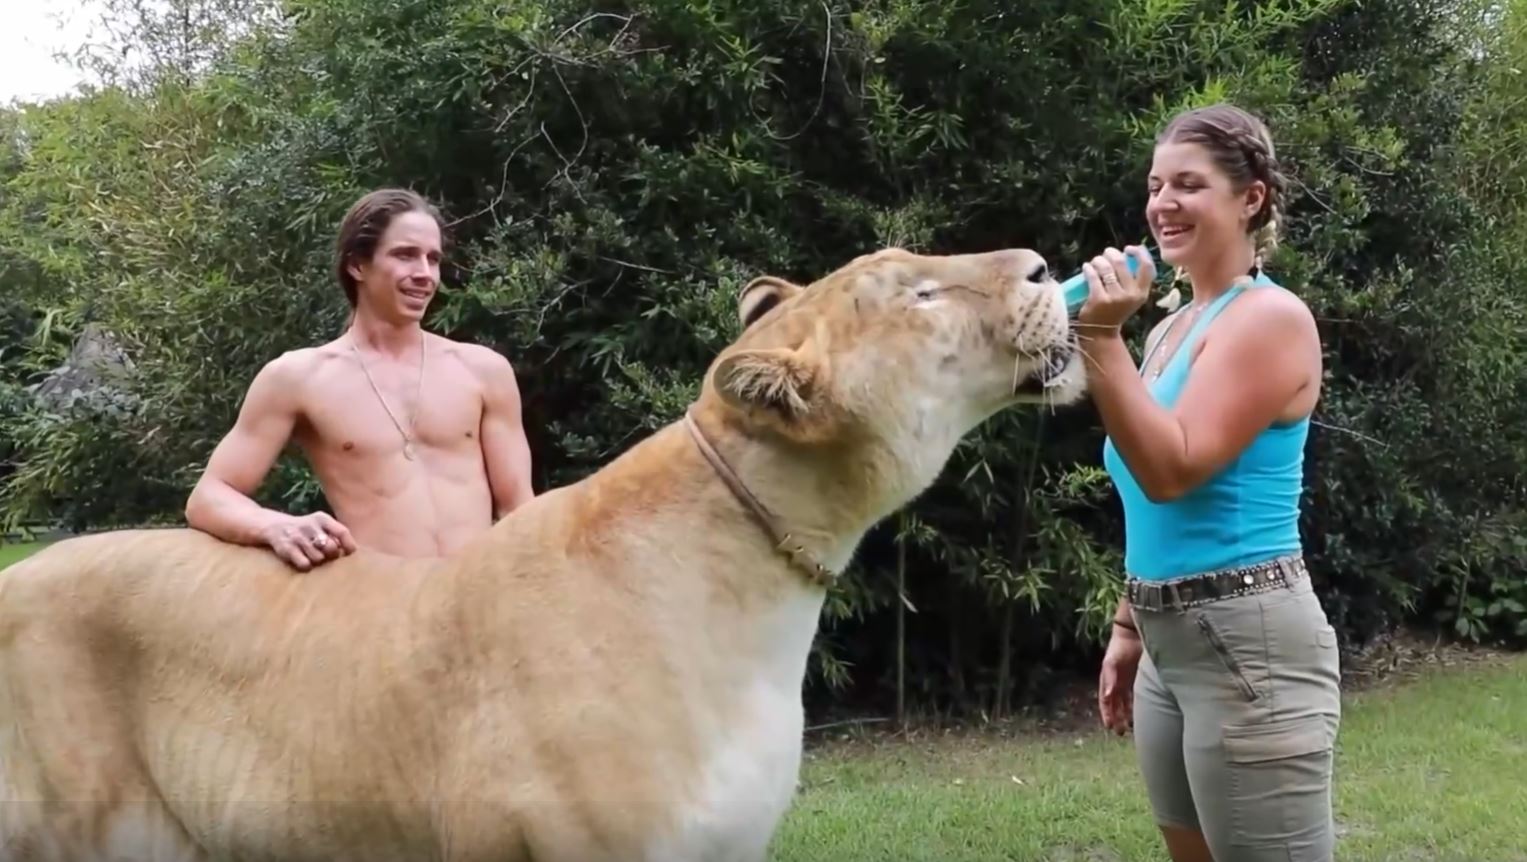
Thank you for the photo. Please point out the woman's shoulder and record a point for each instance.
(1271, 310)
(1268, 295)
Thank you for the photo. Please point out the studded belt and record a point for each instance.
(1213, 586)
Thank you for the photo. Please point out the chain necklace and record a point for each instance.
(408, 438)
(1193, 310)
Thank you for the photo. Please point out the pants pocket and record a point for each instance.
(1280, 786)
(1325, 637)
(1227, 657)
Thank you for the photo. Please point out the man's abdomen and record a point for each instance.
(425, 508)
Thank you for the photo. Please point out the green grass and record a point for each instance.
(15, 553)
(1431, 769)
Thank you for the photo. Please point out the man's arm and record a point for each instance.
(506, 451)
(221, 503)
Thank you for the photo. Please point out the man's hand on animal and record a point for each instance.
(306, 541)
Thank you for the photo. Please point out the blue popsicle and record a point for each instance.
(1075, 288)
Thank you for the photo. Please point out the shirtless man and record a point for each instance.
(416, 440)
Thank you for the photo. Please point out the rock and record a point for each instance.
(96, 369)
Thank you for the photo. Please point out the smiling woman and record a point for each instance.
(1235, 705)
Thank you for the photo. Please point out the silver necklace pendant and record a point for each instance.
(1191, 311)
(408, 442)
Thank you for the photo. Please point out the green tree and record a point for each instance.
(614, 173)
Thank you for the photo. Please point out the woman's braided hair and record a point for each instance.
(1242, 147)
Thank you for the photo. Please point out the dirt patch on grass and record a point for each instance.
(1404, 656)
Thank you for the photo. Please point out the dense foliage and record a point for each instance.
(614, 171)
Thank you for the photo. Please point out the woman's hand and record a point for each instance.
(1114, 294)
(1116, 682)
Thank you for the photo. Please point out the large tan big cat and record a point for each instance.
(611, 673)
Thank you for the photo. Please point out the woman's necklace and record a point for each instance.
(1194, 309)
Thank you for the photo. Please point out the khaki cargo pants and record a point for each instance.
(1237, 704)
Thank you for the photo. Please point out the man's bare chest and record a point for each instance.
(392, 411)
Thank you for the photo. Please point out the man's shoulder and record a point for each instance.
(480, 358)
(291, 373)
(296, 364)
(491, 372)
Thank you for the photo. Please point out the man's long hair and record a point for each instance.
(364, 225)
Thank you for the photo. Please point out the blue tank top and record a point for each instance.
(1245, 513)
